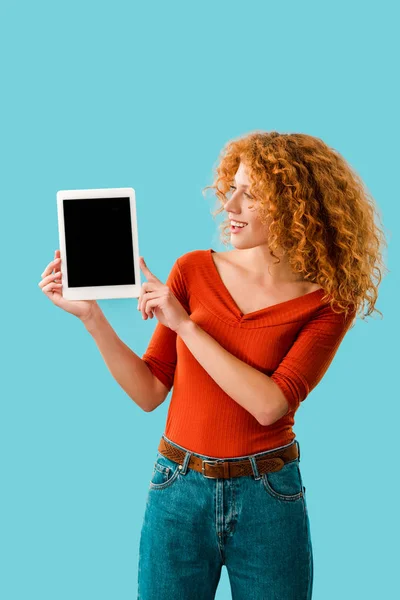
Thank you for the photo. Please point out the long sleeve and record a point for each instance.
(160, 355)
(313, 350)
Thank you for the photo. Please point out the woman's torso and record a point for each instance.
(292, 340)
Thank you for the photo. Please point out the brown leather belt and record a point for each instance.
(223, 469)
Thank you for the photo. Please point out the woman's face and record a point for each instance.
(241, 206)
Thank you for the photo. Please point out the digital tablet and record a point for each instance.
(99, 244)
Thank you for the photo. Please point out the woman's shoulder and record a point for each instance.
(193, 258)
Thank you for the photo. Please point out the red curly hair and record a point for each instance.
(321, 213)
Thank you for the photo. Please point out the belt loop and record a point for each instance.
(298, 448)
(253, 463)
(183, 468)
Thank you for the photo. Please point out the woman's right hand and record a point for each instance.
(51, 285)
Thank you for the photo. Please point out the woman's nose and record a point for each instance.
(231, 204)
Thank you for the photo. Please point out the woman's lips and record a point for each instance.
(237, 229)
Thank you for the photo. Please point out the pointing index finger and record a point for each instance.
(145, 269)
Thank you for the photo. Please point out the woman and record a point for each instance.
(243, 339)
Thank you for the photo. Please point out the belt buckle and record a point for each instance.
(209, 461)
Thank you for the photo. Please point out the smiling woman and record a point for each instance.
(243, 340)
(258, 337)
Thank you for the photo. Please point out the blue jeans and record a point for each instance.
(256, 525)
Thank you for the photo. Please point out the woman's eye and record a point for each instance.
(248, 195)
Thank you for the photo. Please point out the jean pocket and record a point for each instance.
(285, 484)
(165, 471)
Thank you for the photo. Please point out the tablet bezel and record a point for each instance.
(98, 292)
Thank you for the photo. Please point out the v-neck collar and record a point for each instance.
(256, 318)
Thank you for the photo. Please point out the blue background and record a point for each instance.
(98, 94)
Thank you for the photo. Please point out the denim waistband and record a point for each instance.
(256, 455)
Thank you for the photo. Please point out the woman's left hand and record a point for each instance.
(157, 299)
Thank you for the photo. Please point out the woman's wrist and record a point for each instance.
(94, 319)
(185, 327)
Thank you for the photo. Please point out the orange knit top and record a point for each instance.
(293, 342)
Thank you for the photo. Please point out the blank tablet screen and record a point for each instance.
(98, 239)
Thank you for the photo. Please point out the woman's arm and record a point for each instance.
(128, 369)
(300, 370)
(249, 387)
